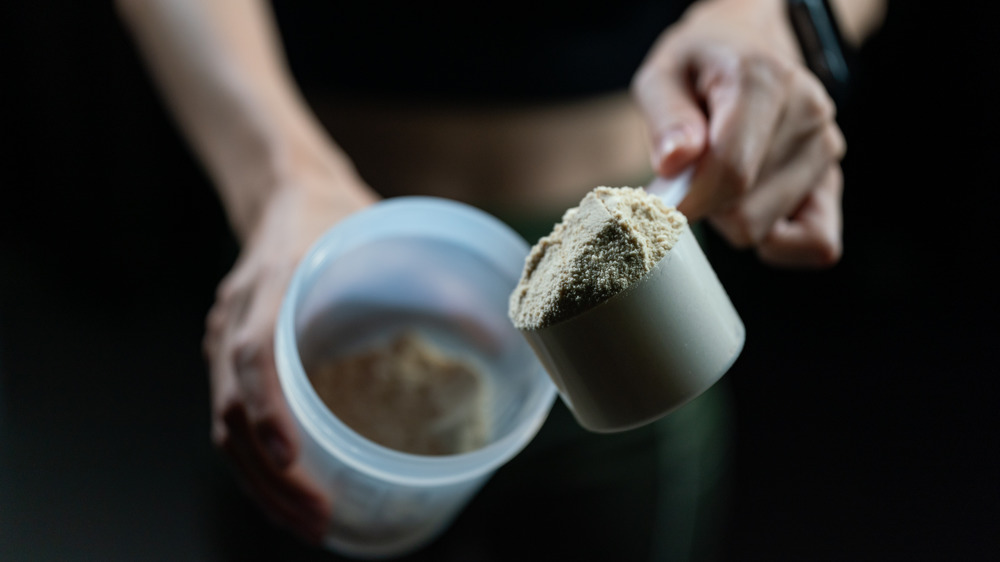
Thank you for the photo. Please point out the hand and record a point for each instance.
(725, 90)
(251, 423)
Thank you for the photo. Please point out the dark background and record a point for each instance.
(865, 398)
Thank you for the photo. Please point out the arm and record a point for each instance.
(219, 66)
(725, 91)
(283, 182)
(859, 19)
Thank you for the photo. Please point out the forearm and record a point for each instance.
(220, 68)
(859, 19)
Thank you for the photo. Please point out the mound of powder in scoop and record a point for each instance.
(611, 240)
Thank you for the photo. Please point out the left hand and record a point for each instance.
(725, 90)
(251, 422)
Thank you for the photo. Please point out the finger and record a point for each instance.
(235, 394)
(809, 110)
(287, 497)
(279, 490)
(677, 124)
(785, 183)
(226, 395)
(254, 363)
(267, 413)
(214, 324)
(812, 237)
(232, 298)
(745, 100)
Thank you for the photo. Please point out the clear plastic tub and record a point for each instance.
(413, 263)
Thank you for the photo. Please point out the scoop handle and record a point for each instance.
(672, 191)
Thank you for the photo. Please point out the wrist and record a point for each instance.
(763, 22)
(302, 171)
(858, 19)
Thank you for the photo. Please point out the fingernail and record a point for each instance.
(275, 446)
(672, 140)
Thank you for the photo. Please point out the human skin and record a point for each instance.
(283, 180)
(725, 91)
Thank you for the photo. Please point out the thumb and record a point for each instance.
(676, 122)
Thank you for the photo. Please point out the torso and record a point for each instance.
(515, 160)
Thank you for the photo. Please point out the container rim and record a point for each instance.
(499, 245)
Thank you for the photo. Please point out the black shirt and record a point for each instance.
(504, 51)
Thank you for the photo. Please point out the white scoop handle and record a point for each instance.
(672, 190)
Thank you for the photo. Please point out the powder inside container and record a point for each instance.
(407, 395)
(599, 249)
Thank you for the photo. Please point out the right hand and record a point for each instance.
(725, 91)
(251, 423)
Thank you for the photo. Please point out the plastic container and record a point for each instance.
(446, 270)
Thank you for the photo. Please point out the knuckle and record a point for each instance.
(230, 410)
(828, 252)
(227, 419)
(757, 70)
(822, 107)
(221, 437)
(740, 181)
(819, 106)
(816, 107)
(226, 289)
(737, 179)
(249, 353)
(834, 143)
(215, 320)
(643, 77)
(738, 228)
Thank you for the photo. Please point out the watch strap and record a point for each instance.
(823, 47)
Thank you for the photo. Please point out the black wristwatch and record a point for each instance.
(823, 47)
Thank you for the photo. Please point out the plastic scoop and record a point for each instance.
(650, 349)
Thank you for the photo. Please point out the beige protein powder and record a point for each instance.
(407, 395)
(603, 246)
